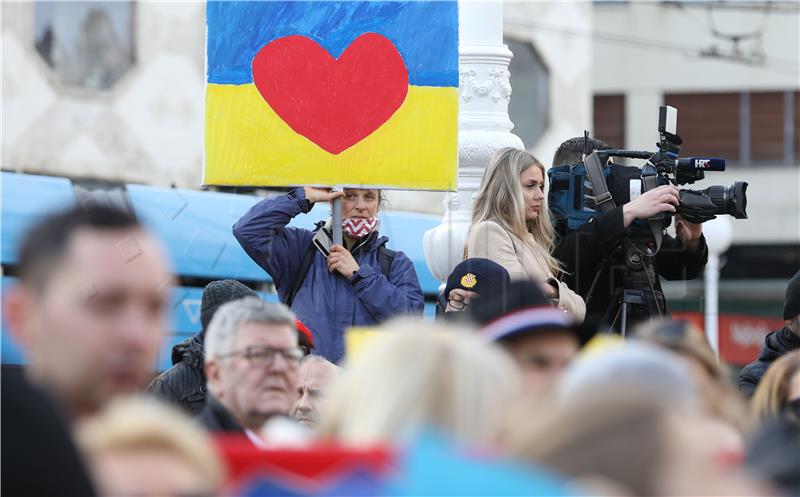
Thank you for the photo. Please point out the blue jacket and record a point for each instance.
(327, 303)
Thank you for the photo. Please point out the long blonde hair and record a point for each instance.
(500, 199)
(772, 392)
(421, 375)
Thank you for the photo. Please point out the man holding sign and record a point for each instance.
(331, 287)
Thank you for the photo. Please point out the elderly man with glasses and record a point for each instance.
(252, 363)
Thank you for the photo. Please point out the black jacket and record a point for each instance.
(39, 457)
(776, 344)
(184, 384)
(217, 419)
(593, 251)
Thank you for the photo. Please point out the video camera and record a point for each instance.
(573, 195)
(583, 191)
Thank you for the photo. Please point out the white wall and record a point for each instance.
(636, 66)
(148, 128)
(568, 59)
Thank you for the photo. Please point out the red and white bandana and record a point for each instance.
(358, 228)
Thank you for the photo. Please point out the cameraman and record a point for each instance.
(595, 250)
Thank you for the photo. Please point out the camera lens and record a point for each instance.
(730, 200)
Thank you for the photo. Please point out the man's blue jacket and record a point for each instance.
(327, 303)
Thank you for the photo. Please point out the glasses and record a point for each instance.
(265, 356)
(457, 304)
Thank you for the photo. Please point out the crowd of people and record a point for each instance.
(518, 364)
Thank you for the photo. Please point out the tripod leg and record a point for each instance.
(624, 318)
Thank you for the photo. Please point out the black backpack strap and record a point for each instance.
(385, 259)
(302, 271)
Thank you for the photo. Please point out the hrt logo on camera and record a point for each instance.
(702, 163)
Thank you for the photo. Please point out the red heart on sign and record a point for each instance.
(335, 103)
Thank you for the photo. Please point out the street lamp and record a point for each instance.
(719, 235)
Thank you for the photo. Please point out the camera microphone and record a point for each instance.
(702, 164)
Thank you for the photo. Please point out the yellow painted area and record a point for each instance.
(247, 144)
(357, 339)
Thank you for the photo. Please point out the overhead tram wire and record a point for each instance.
(775, 65)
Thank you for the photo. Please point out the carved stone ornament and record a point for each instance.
(497, 86)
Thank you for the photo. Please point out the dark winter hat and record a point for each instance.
(523, 309)
(221, 292)
(482, 276)
(791, 304)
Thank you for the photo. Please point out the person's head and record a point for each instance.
(316, 375)
(512, 195)
(719, 395)
(778, 393)
(90, 308)
(360, 203)
(217, 293)
(252, 359)
(612, 439)
(141, 447)
(421, 375)
(541, 339)
(636, 367)
(772, 454)
(688, 341)
(471, 278)
(791, 304)
(571, 151)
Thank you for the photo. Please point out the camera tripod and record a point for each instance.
(637, 299)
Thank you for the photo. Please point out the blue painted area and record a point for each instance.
(196, 227)
(164, 361)
(435, 464)
(26, 199)
(405, 231)
(424, 32)
(430, 311)
(185, 310)
(10, 353)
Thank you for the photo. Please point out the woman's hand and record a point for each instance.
(340, 259)
(314, 195)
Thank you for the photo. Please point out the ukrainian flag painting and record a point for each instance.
(351, 93)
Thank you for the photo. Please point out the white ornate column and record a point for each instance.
(483, 126)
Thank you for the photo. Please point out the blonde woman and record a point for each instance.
(138, 446)
(778, 394)
(511, 225)
(420, 376)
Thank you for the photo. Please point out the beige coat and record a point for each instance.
(489, 240)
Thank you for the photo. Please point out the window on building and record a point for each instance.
(766, 127)
(708, 123)
(743, 127)
(529, 108)
(608, 122)
(796, 125)
(87, 44)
